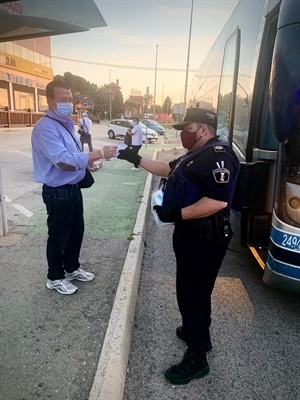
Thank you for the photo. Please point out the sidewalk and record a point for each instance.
(77, 347)
(51, 344)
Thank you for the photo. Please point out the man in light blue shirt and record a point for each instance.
(59, 164)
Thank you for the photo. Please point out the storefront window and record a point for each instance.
(24, 53)
(30, 55)
(43, 106)
(36, 58)
(23, 100)
(8, 47)
(16, 50)
(3, 98)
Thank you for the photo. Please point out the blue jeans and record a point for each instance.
(65, 229)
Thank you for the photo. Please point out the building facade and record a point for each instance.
(25, 72)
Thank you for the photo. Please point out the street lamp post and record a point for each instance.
(155, 82)
(162, 97)
(188, 58)
(110, 95)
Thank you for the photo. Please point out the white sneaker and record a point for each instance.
(62, 286)
(134, 169)
(80, 275)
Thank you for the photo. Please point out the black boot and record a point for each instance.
(180, 335)
(193, 365)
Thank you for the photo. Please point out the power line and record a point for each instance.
(122, 66)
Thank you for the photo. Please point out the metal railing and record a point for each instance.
(22, 118)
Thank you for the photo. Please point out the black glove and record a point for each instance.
(167, 214)
(129, 155)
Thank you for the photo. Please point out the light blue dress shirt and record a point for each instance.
(51, 144)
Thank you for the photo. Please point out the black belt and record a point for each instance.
(66, 186)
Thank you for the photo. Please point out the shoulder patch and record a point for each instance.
(221, 175)
(219, 149)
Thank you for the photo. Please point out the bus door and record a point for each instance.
(283, 262)
(255, 187)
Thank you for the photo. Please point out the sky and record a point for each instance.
(128, 44)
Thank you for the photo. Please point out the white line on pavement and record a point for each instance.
(22, 209)
(24, 154)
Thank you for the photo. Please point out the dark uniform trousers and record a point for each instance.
(65, 228)
(199, 254)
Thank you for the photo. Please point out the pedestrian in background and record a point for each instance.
(59, 164)
(85, 124)
(136, 139)
(197, 199)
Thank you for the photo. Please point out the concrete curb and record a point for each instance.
(109, 380)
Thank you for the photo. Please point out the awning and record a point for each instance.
(25, 19)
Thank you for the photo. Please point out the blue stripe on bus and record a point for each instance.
(286, 240)
(283, 269)
(284, 253)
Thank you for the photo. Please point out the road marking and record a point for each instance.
(22, 209)
(20, 152)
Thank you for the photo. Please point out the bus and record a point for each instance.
(251, 79)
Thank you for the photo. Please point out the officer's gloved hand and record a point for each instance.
(167, 214)
(129, 155)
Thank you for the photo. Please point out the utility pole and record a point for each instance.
(155, 82)
(110, 95)
(188, 57)
(147, 102)
(162, 97)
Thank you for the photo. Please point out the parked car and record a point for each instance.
(150, 123)
(117, 128)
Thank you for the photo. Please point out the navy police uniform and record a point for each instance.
(200, 244)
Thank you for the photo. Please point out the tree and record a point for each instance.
(117, 105)
(100, 95)
(167, 107)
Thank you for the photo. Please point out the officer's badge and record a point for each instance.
(219, 149)
(221, 174)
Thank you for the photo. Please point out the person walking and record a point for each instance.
(136, 139)
(59, 165)
(85, 125)
(197, 199)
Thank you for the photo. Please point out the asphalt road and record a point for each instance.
(255, 330)
(50, 344)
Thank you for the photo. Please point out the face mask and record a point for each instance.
(64, 110)
(188, 139)
(134, 123)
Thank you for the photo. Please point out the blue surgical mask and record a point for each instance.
(134, 123)
(64, 110)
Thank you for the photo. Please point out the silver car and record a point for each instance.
(150, 123)
(117, 128)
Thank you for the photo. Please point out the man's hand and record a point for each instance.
(93, 167)
(167, 214)
(129, 155)
(109, 152)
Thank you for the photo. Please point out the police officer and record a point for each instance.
(197, 198)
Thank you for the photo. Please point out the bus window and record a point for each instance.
(227, 91)
(262, 133)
